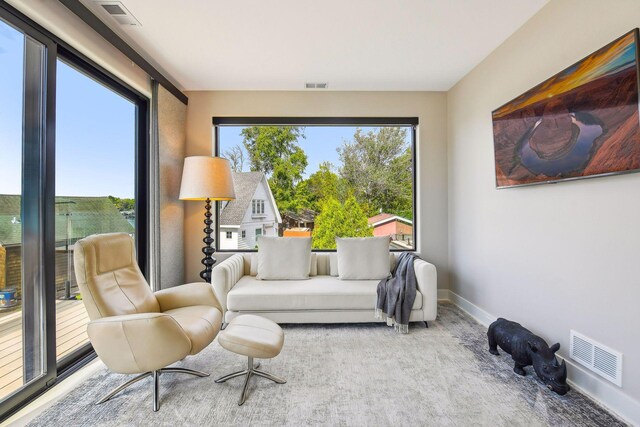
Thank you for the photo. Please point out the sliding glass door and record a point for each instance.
(24, 94)
(95, 184)
(73, 162)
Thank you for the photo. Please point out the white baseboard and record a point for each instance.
(599, 390)
(443, 295)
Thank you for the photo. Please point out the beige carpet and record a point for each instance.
(346, 375)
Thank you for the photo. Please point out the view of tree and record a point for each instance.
(339, 220)
(374, 175)
(268, 145)
(275, 151)
(377, 166)
(323, 185)
(236, 157)
(123, 204)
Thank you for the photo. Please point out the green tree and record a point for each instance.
(339, 220)
(274, 150)
(377, 167)
(123, 204)
(268, 145)
(323, 184)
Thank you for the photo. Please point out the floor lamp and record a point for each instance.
(209, 179)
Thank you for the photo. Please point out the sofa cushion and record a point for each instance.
(316, 293)
(332, 261)
(363, 258)
(284, 258)
(313, 269)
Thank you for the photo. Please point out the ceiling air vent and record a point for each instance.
(119, 12)
(600, 359)
(315, 85)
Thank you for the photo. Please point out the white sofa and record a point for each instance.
(322, 298)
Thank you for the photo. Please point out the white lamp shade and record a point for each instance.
(205, 177)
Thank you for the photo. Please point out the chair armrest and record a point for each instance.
(427, 281)
(186, 296)
(136, 343)
(225, 275)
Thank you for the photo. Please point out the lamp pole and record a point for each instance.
(208, 250)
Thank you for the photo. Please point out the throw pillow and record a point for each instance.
(284, 258)
(313, 270)
(363, 258)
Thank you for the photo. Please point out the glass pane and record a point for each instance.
(95, 184)
(21, 108)
(318, 181)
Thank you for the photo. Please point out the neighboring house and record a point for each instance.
(303, 219)
(76, 217)
(400, 229)
(251, 214)
(297, 232)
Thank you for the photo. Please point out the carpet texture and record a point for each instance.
(345, 375)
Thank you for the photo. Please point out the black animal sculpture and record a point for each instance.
(527, 349)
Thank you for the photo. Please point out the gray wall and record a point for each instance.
(172, 115)
(553, 257)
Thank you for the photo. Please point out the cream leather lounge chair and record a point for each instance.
(132, 329)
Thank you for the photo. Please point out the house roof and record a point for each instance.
(305, 215)
(383, 218)
(89, 215)
(245, 184)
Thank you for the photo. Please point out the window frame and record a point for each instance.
(411, 122)
(56, 48)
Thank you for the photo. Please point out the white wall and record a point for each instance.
(553, 257)
(429, 107)
(231, 243)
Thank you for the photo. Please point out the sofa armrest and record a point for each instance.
(186, 296)
(224, 276)
(427, 280)
(136, 343)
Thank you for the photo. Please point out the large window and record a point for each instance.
(323, 178)
(73, 162)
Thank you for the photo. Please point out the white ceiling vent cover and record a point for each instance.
(316, 85)
(595, 356)
(119, 12)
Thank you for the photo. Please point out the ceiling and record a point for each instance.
(350, 44)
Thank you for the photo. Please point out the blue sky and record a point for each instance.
(95, 129)
(320, 145)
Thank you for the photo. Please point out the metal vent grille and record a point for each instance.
(596, 357)
(118, 12)
(113, 9)
(316, 85)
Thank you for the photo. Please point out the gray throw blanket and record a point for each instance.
(397, 294)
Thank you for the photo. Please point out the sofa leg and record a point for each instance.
(426, 325)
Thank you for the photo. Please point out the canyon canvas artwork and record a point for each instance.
(582, 122)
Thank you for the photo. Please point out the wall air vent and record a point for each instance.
(315, 85)
(119, 12)
(600, 359)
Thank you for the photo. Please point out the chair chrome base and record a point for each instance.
(156, 383)
(249, 372)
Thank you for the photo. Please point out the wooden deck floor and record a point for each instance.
(71, 332)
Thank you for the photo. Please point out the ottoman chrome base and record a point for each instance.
(249, 372)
